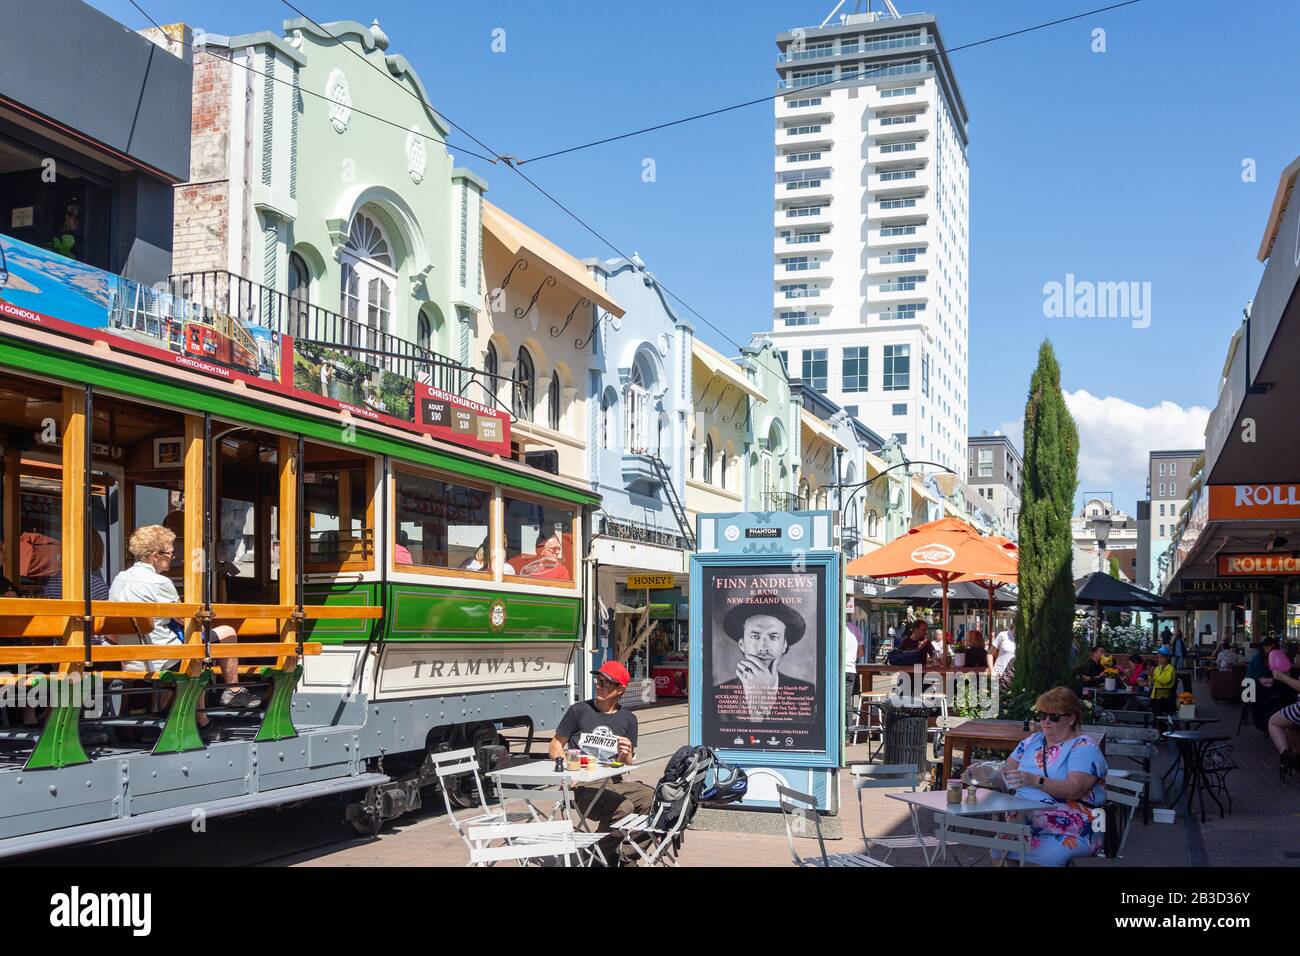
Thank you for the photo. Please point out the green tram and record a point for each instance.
(393, 594)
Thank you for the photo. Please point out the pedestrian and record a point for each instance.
(1004, 655)
(1179, 648)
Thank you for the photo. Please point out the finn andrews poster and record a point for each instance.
(764, 647)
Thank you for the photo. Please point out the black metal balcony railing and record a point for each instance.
(783, 501)
(221, 293)
(625, 530)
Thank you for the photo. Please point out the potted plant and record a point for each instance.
(959, 654)
(1186, 705)
(1111, 676)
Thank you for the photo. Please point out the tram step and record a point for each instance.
(114, 829)
(24, 735)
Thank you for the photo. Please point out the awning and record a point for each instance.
(819, 428)
(519, 239)
(725, 369)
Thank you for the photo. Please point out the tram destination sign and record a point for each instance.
(1238, 564)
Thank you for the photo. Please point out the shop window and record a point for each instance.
(338, 508)
(441, 524)
(539, 541)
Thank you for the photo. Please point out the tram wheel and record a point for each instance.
(462, 792)
(365, 817)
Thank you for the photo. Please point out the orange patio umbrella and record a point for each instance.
(945, 551)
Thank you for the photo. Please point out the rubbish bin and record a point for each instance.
(906, 734)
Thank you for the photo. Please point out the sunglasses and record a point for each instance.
(607, 682)
(1054, 718)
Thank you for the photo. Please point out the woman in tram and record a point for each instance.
(153, 546)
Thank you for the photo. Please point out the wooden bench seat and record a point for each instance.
(105, 653)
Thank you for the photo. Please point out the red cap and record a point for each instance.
(615, 672)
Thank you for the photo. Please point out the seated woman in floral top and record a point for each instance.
(1064, 768)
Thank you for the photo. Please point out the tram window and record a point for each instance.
(31, 486)
(246, 531)
(539, 540)
(338, 489)
(441, 524)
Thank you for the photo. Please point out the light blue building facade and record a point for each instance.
(639, 402)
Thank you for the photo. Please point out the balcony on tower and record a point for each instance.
(898, 208)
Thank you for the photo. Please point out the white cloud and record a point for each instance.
(1115, 436)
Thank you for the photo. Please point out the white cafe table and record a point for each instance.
(543, 772)
(936, 801)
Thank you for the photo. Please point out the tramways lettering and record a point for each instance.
(475, 667)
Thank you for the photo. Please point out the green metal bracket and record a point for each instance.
(181, 732)
(60, 742)
(277, 722)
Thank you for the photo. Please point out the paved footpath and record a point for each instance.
(1262, 830)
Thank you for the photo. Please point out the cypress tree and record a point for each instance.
(1045, 612)
(1114, 568)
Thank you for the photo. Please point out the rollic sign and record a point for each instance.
(1239, 564)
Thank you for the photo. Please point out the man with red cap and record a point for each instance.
(601, 728)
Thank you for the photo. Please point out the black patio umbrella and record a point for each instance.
(961, 591)
(1101, 590)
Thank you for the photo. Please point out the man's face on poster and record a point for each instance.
(764, 639)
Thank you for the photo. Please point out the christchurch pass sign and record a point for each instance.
(1230, 564)
(468, 668)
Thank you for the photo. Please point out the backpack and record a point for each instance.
(721, 783)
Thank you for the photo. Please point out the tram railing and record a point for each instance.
(222, 293)
(54, 643)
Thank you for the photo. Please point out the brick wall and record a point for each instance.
(202, 210)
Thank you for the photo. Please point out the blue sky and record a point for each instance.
(1124, 165)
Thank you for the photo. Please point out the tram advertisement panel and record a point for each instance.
(764, 644)
(42, 288)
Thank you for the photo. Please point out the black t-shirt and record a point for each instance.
(1093, 669)
(584, 718)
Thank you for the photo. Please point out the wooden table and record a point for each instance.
(1000, 735)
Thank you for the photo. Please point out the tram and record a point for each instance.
(393, 593)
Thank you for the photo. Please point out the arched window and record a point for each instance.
(708, 460)
(723, 463)
(553, 402)
(525, 386)
(491, 369)
(803, 493)
(424, 332)
(367, 283)
(299, 296)
(635, 405)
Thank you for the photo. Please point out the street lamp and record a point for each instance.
(1101, 530)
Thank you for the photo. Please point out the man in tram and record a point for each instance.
(153, 548)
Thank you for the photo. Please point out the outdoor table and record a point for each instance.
(528, 773)
(986, 802)
(1000, 735)
(1192, 745)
